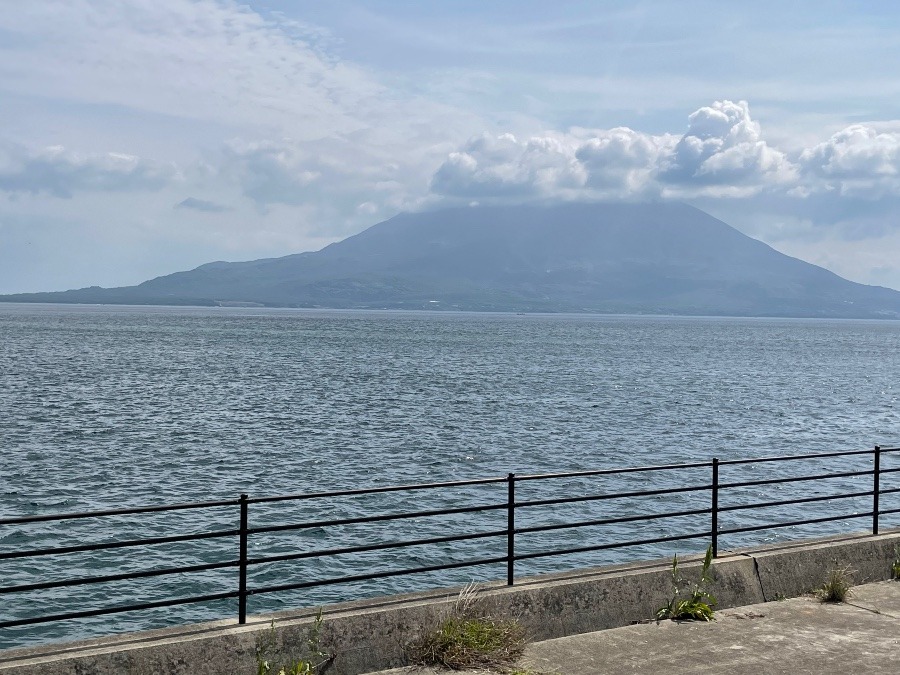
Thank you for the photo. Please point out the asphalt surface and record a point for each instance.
(796, 636)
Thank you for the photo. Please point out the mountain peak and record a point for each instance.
(659, 258)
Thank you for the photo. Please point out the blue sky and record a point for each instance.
(145, 137)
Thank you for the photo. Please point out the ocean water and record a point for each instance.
(102, 407)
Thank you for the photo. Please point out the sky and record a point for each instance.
(144, 137)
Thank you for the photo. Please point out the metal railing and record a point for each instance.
(518, 517)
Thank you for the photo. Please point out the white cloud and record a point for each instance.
(622, 162)
(60, 173)
(856, 161)
(721, 155)
(504, 166)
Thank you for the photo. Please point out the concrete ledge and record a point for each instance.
(799, 568)
(372, 634)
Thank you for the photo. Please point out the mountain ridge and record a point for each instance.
(657, 258)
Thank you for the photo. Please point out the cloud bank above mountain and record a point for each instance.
(722, 155)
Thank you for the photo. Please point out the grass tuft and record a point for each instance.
(837, 585)
(468, 638)
(460, 643)
(895, 566)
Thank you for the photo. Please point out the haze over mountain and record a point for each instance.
(660, 258)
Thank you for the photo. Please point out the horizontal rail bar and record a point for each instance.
(891, 470)
(611, 521)
(375, 519)
(125, 576)
(788, 458)
(376, 575)
(614, 495)
(374, 547)
(116, 610)
(119, 512)
(372, 491)
(795, 479)
(423, 486)
(601, 547)
(888, 491)
(610, 472)
(810, 521)
(804, 500)
(34, 553)
(887, 512)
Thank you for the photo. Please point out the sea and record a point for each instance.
(103, 407)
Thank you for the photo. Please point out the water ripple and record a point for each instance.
(108, 407)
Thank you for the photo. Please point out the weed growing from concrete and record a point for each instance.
(895, 566)
(698, 604)
(837, 585)
(469, 638)
(315, 660)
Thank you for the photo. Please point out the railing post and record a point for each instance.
(242, 563)
(876, 487)
(510, 528)
(714, 529)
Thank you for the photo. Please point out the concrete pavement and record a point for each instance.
(796, 636)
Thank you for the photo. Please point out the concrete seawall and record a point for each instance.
(371, 635)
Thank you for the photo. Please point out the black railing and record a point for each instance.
(509, 520)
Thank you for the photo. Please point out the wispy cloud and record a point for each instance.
(201, 205)
(207, 60)
(58, 172)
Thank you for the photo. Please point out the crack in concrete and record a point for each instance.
(762, 590)
(872, 610)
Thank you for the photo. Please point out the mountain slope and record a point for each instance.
(648, 258)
